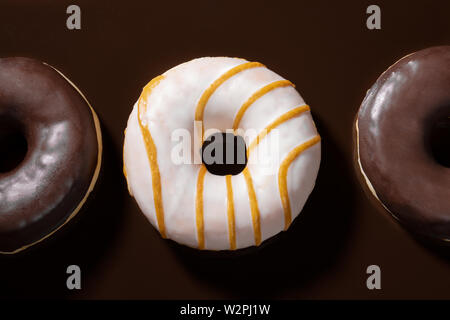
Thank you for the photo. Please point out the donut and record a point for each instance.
(403, 142)
(187, 203)
(60, 132)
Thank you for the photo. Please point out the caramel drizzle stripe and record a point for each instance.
(212, 88)
(123, 157)
(248, 179)
(256, 220)
(281, 119)
(230, 214)
(152, 154)
(199, 111)
(199, 208)
(258, 94)
(282, 177)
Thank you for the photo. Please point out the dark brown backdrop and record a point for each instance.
(321, 46)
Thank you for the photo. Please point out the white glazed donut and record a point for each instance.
(184, 201)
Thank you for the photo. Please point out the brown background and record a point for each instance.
(321, 46)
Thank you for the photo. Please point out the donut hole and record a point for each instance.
(440, 141)
(224, 154)
(13, 144)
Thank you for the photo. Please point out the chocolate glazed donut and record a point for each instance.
(403, 141)
(62, 158)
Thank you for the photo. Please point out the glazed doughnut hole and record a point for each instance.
(13, 144)
(224, 154)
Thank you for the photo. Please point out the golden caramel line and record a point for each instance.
(123, 157)
(230, 213)
(282, 177)
(258, 94)
(199, 110)
(199, 208)
(281, 119)
(152, 154)
(253, 206)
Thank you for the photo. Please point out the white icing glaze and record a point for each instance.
(171, 105)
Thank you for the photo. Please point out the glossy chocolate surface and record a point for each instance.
(41, 192)
(396, 135)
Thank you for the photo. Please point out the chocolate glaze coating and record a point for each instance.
(38, 195)
(395, 122)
